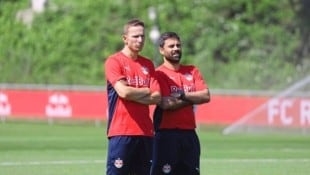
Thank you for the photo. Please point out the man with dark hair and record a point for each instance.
(176, 144)
(131, 88)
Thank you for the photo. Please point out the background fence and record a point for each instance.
(89, 103)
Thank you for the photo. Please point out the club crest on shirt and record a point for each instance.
(166, 168)
(145, 70)
(118, 163)
(126, 68)
(188, 76)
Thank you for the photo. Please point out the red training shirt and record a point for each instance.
(187, 78)
(129, 117)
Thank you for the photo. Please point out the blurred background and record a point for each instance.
(237, 44)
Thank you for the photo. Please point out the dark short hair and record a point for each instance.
(164, 36)
(132, 22)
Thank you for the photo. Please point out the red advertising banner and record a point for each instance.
(58, 104)
(292, 112)
(223, 109)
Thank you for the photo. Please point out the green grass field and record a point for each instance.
(34, 148)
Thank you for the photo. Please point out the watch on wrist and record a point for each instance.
(179, 95)
(175, 95)
(182, 95)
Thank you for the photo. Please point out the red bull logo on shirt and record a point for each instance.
(138, 81)
(174, 89)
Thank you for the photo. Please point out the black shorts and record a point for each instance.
(176, 152)
(129, 155)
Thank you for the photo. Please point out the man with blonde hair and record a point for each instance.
(131, 88)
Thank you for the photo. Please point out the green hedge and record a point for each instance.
(236, 43)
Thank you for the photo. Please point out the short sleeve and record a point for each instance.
(113, 70)
(199, 81)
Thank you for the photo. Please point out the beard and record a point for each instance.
(175, 58)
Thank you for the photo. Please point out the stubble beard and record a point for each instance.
(174, 59)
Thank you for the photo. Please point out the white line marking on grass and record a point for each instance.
(267, 160)
(72, 162)
(55, 162)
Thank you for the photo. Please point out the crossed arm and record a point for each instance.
(139, 95)
(176, 101)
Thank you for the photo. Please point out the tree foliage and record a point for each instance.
(235, 43)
